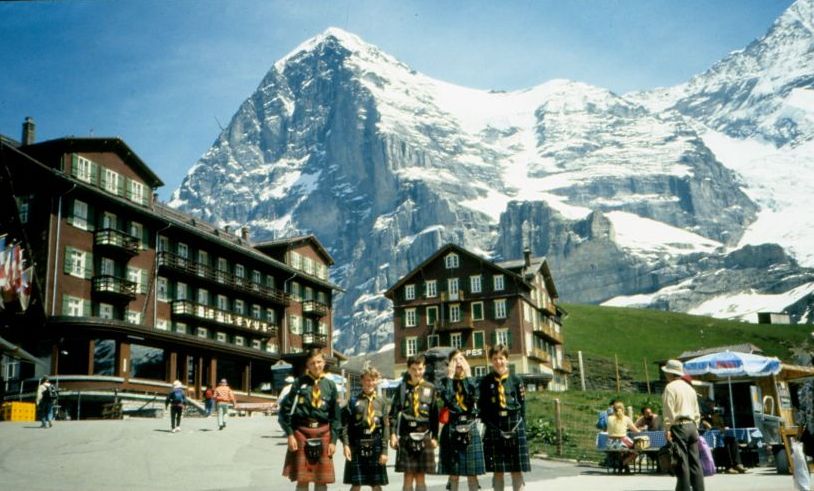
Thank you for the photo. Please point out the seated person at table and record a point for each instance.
(602, 421)
(649, 421)
(618, 425)
(728, 456)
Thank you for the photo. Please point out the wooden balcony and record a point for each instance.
(212, 316)
(540, 355)
(190, 268)
(547, 330)
(313, 308)
(311, 339)
(455, 296)
(114, 288)
(449, 326)
(116, 241)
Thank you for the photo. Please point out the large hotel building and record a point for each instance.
(134, 295)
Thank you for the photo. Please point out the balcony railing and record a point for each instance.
(117, 287)
(566, 365)
(452, 296)
(315, 339)
(187, 308)
(540, 355)
(545, 328)
(314, 308)
(192, 268)
(116, 239)
(462, 325)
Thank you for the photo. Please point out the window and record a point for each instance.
(80, 214)
(295, 326)
(526, 312)
(240, 274)
(109, 220)
(201, 332)
(478, 338)
(22, 207)
(295, 291)
(497, 281)
(203, 262)
(322, 298)
(456, 340)
(431, 288)
(477, 311)
(411, 346)
(455, 312)
(409, 292)
(183, 254)
(257, 312)
(180, 327)
(323, 328)
(322, 271)
(409, 318)
(136, 192)
(221, 337)
(181, 291)
(269, 281)
(502, 337)
(271, 316)
(162, 324)
(433, 340)
(475, 284)
(451, 261)
(107, 267)
(271, 347)
(76, 260)
(432, 315)
(257, 280)
(500, 308)
(137, 231)
(203, 296)
(256, 344)
(110, 181)
(163, 244)
(240, 341)
(308, 265)
(105, 311)
(296, 260)
(240, 307)
(309, 326)
(83, 170)
(223, 269)
(136, 275)
(162, 289)
(309, 293)
(223, 302)
(452, 288)
(480, 371)
(134, 317)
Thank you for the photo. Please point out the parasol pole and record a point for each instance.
(731, 403)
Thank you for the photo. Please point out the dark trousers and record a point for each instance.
(732, 452)
(175, 416)
(689, 473)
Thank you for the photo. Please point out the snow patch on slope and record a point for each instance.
(651, 238)
(746, 305)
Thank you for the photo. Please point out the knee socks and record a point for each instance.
(497, 483)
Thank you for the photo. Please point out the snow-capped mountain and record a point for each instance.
(628, 196)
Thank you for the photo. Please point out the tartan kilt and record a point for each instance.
(416, 463)
(366, 471)
(461, 462)
(499, 457)
(297, 468)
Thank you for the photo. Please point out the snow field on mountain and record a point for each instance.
(745, 305)
(653, 239)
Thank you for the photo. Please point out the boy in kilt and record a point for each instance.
(365, 433)
(414, 419)
(502, 404)
(310, 418)
(461, 446)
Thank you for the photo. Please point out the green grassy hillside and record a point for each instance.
(635, 335)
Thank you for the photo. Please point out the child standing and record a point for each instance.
(366, 431)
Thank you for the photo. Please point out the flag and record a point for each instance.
(24, 291)
(16, 267)
(5, 261)
(11, 272)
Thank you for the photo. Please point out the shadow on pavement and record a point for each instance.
(164, 431)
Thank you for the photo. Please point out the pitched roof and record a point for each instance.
(738, 348)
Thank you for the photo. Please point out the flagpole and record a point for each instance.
(731, 403)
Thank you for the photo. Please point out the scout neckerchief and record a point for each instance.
(316, 400)
(371, 413)
(415, 396)
(460, 396)
(501, 391)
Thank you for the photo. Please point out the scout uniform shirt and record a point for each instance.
(363, 419)
(460, 397)
(501, 397)
(309, 406)
(413, 408)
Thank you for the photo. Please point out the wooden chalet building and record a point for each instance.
(136, 294)
(456, 298)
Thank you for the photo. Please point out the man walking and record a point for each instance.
(224, 397)
(681, 419)
(46, 398)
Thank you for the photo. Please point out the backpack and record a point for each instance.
(602, 422)
(50, 393)
(177, 396)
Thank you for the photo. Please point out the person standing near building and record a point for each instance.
(681, 419)
(310, 417)
(224, 397)
(176, 400)
(461, 445)
(365, 433)
(502, 406)
(414, 419)
(46, 398)
(209, 400)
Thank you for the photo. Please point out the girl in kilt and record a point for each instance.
(310, 417)
(461, 447)
(366, 431)
(502, 404)
(414, 419)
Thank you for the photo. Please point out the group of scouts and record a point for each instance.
(313, 421)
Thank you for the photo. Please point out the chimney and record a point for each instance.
(527, 256)
(29, 131)
(244, 233)
(227, 228)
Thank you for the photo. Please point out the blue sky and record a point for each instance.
(164, 74)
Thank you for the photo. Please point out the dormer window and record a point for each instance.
(451, 260)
